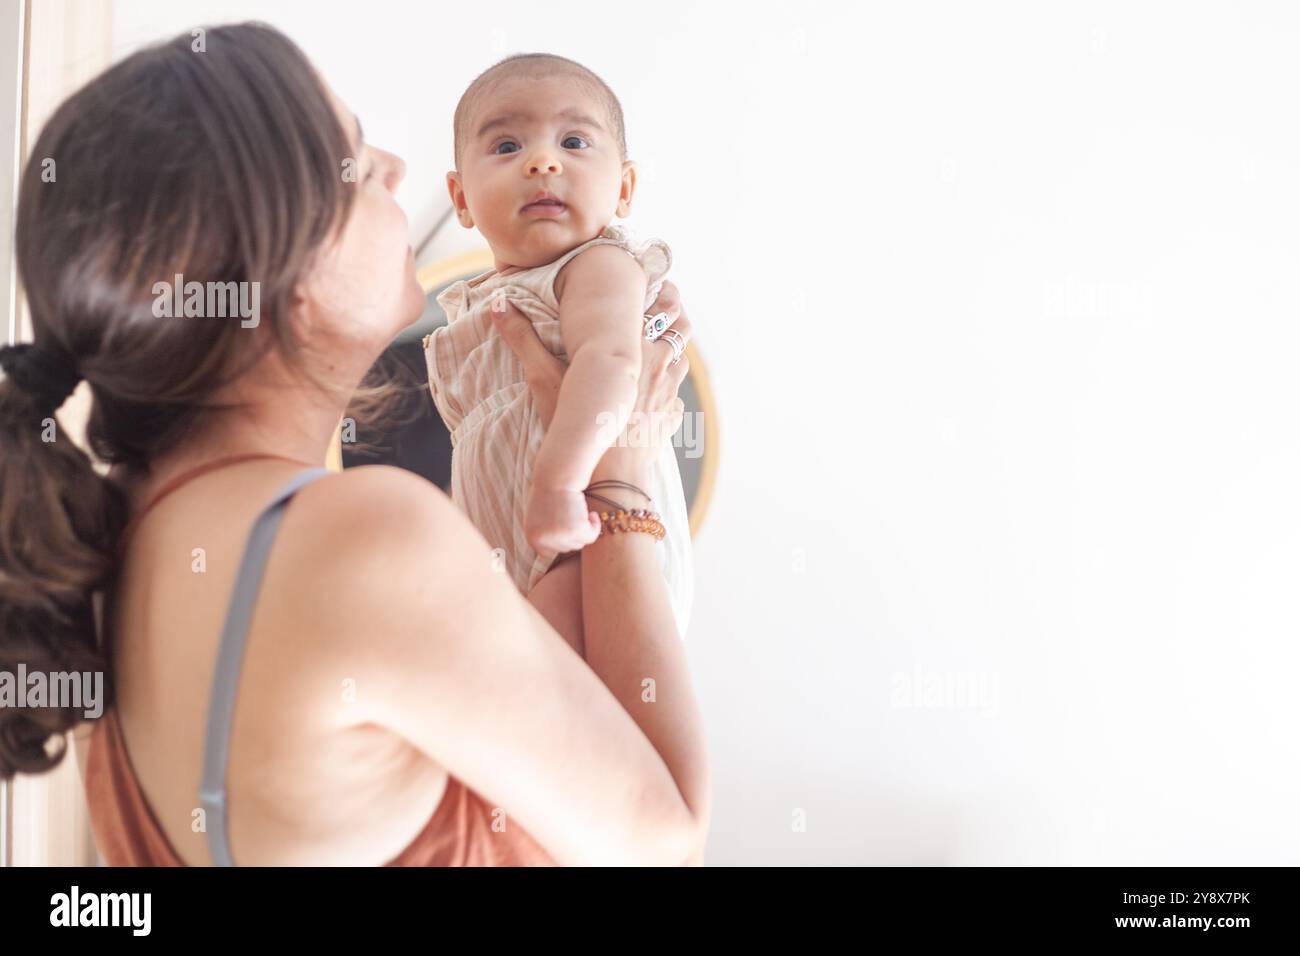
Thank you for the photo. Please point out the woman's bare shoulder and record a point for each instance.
(368, 494)
(347, 522)
(366, 539)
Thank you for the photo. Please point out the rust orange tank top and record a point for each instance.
(459, 833)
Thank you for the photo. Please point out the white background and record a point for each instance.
(1000, 309)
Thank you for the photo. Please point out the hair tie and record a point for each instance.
(48, 377)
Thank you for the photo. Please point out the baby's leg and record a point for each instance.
(558, 595)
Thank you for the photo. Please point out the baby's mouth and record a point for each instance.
(544, 208)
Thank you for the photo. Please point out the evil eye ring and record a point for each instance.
(655, 325)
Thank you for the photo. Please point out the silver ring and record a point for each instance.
(677, 341)
(655, 325)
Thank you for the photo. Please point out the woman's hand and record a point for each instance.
(658, 411)
(542, 370)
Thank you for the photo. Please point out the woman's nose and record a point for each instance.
(396, 171)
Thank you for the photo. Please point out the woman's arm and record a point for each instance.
(444, 651)
(636, 640)
(631, 641)
(441, 649)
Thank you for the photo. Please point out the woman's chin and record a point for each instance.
(416, 302)
(415, 297)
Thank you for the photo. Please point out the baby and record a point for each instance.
(541, 169)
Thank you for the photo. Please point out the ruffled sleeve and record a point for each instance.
(453, 300)
(653, 254)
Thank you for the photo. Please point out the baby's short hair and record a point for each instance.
(537, 65)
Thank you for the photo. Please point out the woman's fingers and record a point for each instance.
(669, 301)
(663, 353)
(542, 371)
(521, 337)
(657, 402)
(663, 346)
(670, 421)
(683, 326)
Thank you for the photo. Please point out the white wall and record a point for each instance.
(1000, 310)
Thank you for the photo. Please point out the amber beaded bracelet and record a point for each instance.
(637, 519)
(624, 519)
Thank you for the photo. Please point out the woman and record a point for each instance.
(398, 701)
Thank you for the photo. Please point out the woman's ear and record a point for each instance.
(458, 203)
(625, 194)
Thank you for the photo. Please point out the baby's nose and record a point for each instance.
(544, 164)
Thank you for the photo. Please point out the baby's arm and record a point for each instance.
(601, 298)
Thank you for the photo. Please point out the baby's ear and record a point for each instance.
(457, 193)
(627, 190)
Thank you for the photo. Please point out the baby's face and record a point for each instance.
(529, 137)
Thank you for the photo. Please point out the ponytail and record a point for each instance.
(59, 522)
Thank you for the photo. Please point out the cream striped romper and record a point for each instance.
(479, 390)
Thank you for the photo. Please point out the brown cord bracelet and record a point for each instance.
(626, 519)
(615, 483)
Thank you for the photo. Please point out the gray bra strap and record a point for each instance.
(230, 655)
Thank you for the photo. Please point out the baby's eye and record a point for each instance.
(497, 147)
(572, 139)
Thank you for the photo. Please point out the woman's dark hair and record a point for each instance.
(224, 164)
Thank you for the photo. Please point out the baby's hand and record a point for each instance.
(559, 520)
